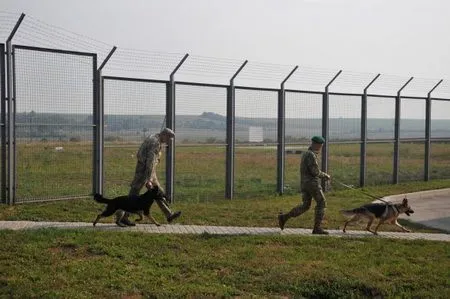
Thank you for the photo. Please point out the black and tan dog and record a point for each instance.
(137, 205)
(385, 212)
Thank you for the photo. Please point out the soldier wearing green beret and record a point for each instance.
(310, 187)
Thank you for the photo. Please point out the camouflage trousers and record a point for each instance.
(308, 194)
(140, 178)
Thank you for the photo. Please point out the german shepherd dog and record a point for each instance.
(138, 205)
(386, 213)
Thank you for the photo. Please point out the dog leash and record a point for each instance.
(365, 193)
(388, 204)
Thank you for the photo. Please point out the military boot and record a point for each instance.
(127, 221)
(119, 215)
(173, 216)
(318, 217)
(319, 231)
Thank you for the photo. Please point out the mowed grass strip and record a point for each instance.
(52, 263)
(259, 211)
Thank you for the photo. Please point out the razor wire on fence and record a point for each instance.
(241, 125)
(36, 33)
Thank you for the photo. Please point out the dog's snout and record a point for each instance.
(409, 212)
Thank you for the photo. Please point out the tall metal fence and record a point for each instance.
(75, 110)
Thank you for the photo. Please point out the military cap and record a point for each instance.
(318, 139)
(167, 131)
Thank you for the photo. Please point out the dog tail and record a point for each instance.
(99, 198)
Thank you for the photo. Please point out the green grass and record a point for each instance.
(51, 263)
(89, 263)
(43, 173)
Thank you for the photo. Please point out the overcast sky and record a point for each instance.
(396, 37)
(399, 37)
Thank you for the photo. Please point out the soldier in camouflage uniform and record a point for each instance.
(148, 156)
(310, 187)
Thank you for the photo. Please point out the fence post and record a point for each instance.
(10, 141)
(231, 98)
(325, 127)
(3, 124)
(428, 133)
(281, 143)
(99, 123)
(170, 123)
(397, 132)
(11, 118)
(363, 161)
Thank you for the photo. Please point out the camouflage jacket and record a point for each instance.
(149, 153)
(310, 172)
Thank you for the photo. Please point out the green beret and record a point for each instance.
(318, 139)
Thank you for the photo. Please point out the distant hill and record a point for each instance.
(199, 127)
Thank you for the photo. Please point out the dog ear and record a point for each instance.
(405, 201)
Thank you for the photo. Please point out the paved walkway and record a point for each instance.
(215, 230)
(432, 208)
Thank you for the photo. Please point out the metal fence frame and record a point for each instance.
(11, 122)
(8, 113)
(98, 125)
(3, 125)
(170, 91)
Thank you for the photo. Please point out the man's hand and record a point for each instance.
(149, 185)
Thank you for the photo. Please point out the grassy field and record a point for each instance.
(53, 263)
(44, 173)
